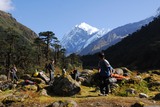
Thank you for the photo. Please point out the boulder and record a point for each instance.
(138, 104)
(95, 79)
(70, 103)
(3, 78)
(118, 71)
(85, 77)
(65, 86)
(43, 92)
(4, 85)
(157, 96)
(131, 91)
(142, 95)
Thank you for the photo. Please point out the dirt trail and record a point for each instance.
(114, 101)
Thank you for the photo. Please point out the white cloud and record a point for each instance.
(6, 5)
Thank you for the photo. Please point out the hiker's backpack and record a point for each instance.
(105, 70)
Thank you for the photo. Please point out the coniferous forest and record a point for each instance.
(28, 51)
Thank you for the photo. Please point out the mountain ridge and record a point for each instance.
(6, 21)
(138, 51)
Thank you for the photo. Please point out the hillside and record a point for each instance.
(6, 21)
(114, 36)
(16, 43)
(137, 51)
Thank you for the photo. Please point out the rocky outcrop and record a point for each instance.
(65, 86)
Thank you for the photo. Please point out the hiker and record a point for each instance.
(75, 74)
(8, 74)
(64, 70)
(13, 70)
(105, 72)
(51, 70)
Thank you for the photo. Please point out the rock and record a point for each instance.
(43, 92)
(142, 95)
(13, 98)
(56, 104)
(135, 80)
(85, 77)
(6, 85)
(138, 104)
(1, 104)
(95, 79)
(138, 78)
(118, 71)
(157, 96)
(3, 78)
(70, 103)
(131, 91)
(65, 86)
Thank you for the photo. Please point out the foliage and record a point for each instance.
(21, 46)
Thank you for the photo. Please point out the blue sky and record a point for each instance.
(60, 16)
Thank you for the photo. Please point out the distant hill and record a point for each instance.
(137, 51)
(6, 21)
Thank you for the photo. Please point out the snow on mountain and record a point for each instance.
(89, 29)
(75, 40)
(99, 34)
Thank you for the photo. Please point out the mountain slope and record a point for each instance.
(6, 21)
(137, 51)
(140, 50)
(114, 36)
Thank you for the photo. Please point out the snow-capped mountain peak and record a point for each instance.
(87, 28)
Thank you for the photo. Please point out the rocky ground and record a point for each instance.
(85, 99)
(141, 90)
